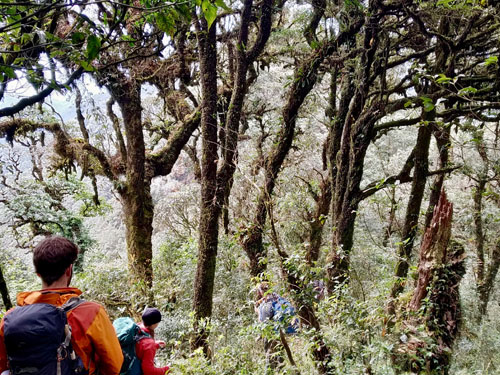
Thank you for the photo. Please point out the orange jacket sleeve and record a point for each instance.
(108, 353)
(94, 339)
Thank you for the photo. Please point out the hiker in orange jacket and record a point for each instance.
(93, 336)
(146, 348)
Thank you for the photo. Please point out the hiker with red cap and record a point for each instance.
(146, 348)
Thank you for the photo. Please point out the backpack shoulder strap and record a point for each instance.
(72, 303)
(141, 335)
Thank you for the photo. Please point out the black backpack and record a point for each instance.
(38, 340)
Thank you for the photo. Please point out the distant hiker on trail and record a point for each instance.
(265, 299)
(54, 331)
(139, 345)
(271, 307)
(318, 287)
(146, 348)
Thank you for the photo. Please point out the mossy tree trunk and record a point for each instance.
(209, 210)
(487, 266)
(421, 166)
(430, 332)
(420, 161)
(350, 136)
(305, 78)
(217, 168)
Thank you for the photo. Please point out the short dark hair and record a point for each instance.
(52, 256)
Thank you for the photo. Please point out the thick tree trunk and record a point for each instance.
(486, 286)
(305, 78)
(485, 272)
(138, 217)
(412, 211)
(430, 332)
(210, 211)
(317, 222)
(216, 183)
(420, 173)
(136, 198)
(350, 137)
(442, 137)
(433, 250)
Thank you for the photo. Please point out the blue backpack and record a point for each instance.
(282, 312)
(129, 333)
(38, 340)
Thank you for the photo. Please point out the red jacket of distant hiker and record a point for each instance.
(146, 351)
(93, 337)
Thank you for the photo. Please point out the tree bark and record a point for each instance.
(430, 332)
(442, 137)
(5, 292)
(305, 78)
(485, 288)
(135, 196)
(412, 211)
(350, 139)
(209, 213)
(215, 183)
(317, 221)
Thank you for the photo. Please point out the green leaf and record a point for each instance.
(184, 11)
(209, 11)
(26, 37)
(408, 104)
(445, 3)
(9, 72)
(427, 103)
(467, 90)
(443, 79)
(491, 60)
(165, 23)
(129, 39)
(93, 47)
(77, 38)
(222, 4)
(87, 66)
(57, 52)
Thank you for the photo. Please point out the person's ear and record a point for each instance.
(69, 273)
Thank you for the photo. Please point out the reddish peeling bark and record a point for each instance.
(429, 333)
(433, 249)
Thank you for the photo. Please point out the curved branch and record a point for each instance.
(65, 146)
(264, 31)
(26, 102)
(319, 7)
(161, 162)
